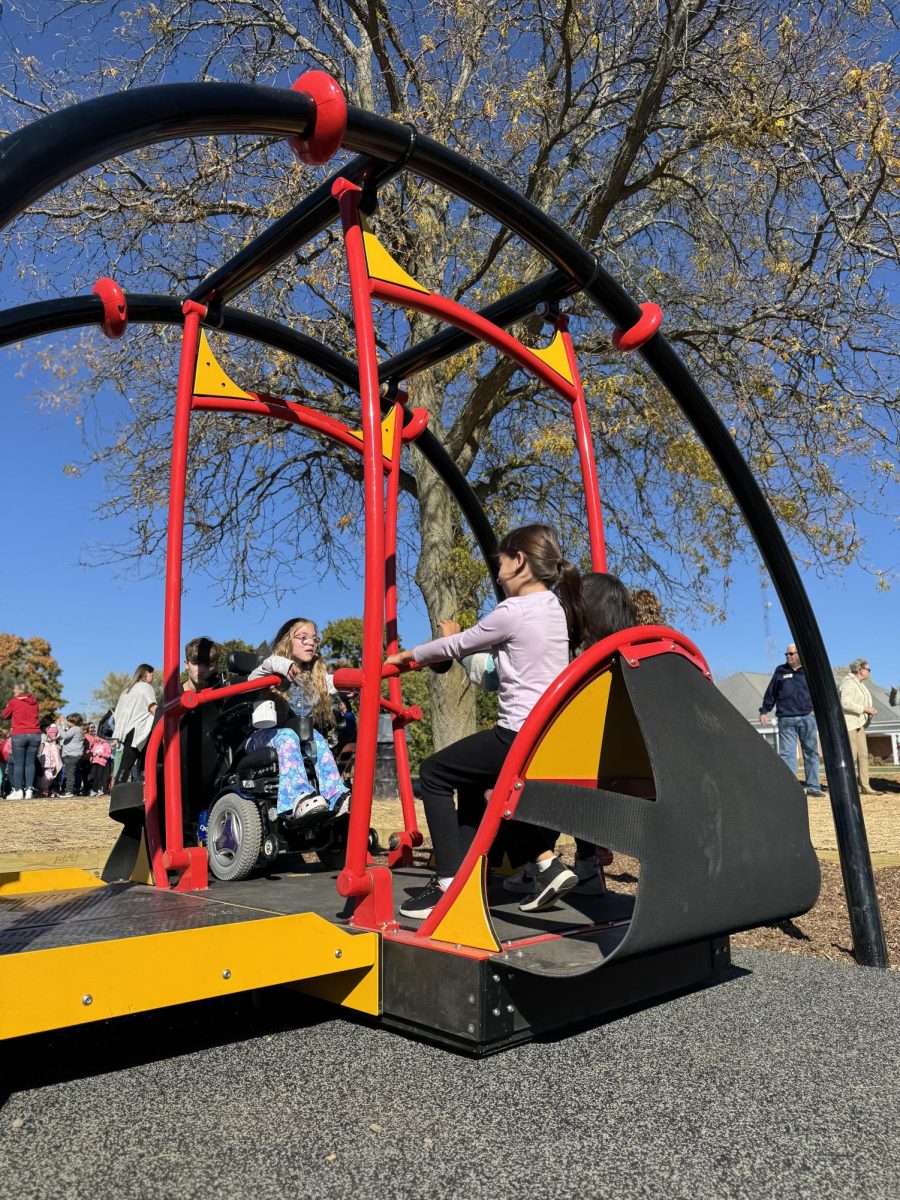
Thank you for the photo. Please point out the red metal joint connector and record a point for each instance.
(115, 307)
(330, 120)
(642, 331)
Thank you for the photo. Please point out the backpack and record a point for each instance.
(105, 724)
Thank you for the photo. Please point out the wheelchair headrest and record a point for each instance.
(242, 662)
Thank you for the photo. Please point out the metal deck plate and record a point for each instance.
(47, 920)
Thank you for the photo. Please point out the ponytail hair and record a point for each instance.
(539, 546)
(608, 607)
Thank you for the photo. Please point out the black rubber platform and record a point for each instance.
(44, 920)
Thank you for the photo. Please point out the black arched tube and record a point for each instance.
(856, 865)
(46, 153)
(304, 221)
(43, 155)
(71, 312)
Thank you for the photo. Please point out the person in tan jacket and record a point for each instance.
(856, 701)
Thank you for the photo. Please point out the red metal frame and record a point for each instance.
(403, 842)
(355, 879)
(586, 456)
(639, 643)
(188, 861)
(471, 322)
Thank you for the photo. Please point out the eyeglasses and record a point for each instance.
(792, 653)
(306, 640)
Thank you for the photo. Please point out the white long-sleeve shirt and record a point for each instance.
(529, 640)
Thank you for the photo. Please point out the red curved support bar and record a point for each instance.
(284, 410)
(415, 425)
(635, 643)
(473, 323)
(115, 307)
(331, 117)
(642, 331)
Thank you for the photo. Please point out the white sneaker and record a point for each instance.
(524, 882)
(29, 794)
(17, 795)
(309, 808)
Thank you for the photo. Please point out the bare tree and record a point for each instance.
(735, 161)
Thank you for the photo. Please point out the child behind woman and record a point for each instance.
(531, 634)
(71, 740)
(295, 655)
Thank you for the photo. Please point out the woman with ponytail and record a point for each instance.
(532, 635)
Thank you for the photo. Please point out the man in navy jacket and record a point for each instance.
(788, 694)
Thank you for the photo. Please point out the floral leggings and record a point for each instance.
(293, 783)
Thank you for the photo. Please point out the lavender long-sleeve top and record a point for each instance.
(529, 640)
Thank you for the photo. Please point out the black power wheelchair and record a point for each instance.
(229, 795)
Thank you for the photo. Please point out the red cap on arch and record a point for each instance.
(330, 121)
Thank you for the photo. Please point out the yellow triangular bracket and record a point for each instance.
(387, 433)
(556, 358)
(468, 923)
(210, 379)
(381, 265)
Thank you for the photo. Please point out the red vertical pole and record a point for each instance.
(586, 457)
(354, 880)
(395, 691)
(193, 315)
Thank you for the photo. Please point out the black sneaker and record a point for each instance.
(554, 881)
(420, 905)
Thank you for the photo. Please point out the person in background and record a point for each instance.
(201, 660)
(5, 761)
(856, 701)
(788, 694)
(71, 741)
(50, 762)
(346, 733)
(99, 753)
(134, 719)
(647, 608)
(25, 732)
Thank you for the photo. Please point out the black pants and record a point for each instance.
(468, 767)
(130, 756)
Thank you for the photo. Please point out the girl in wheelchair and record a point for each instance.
(305, 705)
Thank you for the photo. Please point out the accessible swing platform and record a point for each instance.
(723, 844)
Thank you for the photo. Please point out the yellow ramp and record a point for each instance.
(55, 988)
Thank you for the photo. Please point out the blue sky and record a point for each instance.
(98, 620)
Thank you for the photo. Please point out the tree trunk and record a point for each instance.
(452, 696)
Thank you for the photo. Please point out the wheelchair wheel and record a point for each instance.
(234, 837)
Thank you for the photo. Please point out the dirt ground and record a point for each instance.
(56, 828)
